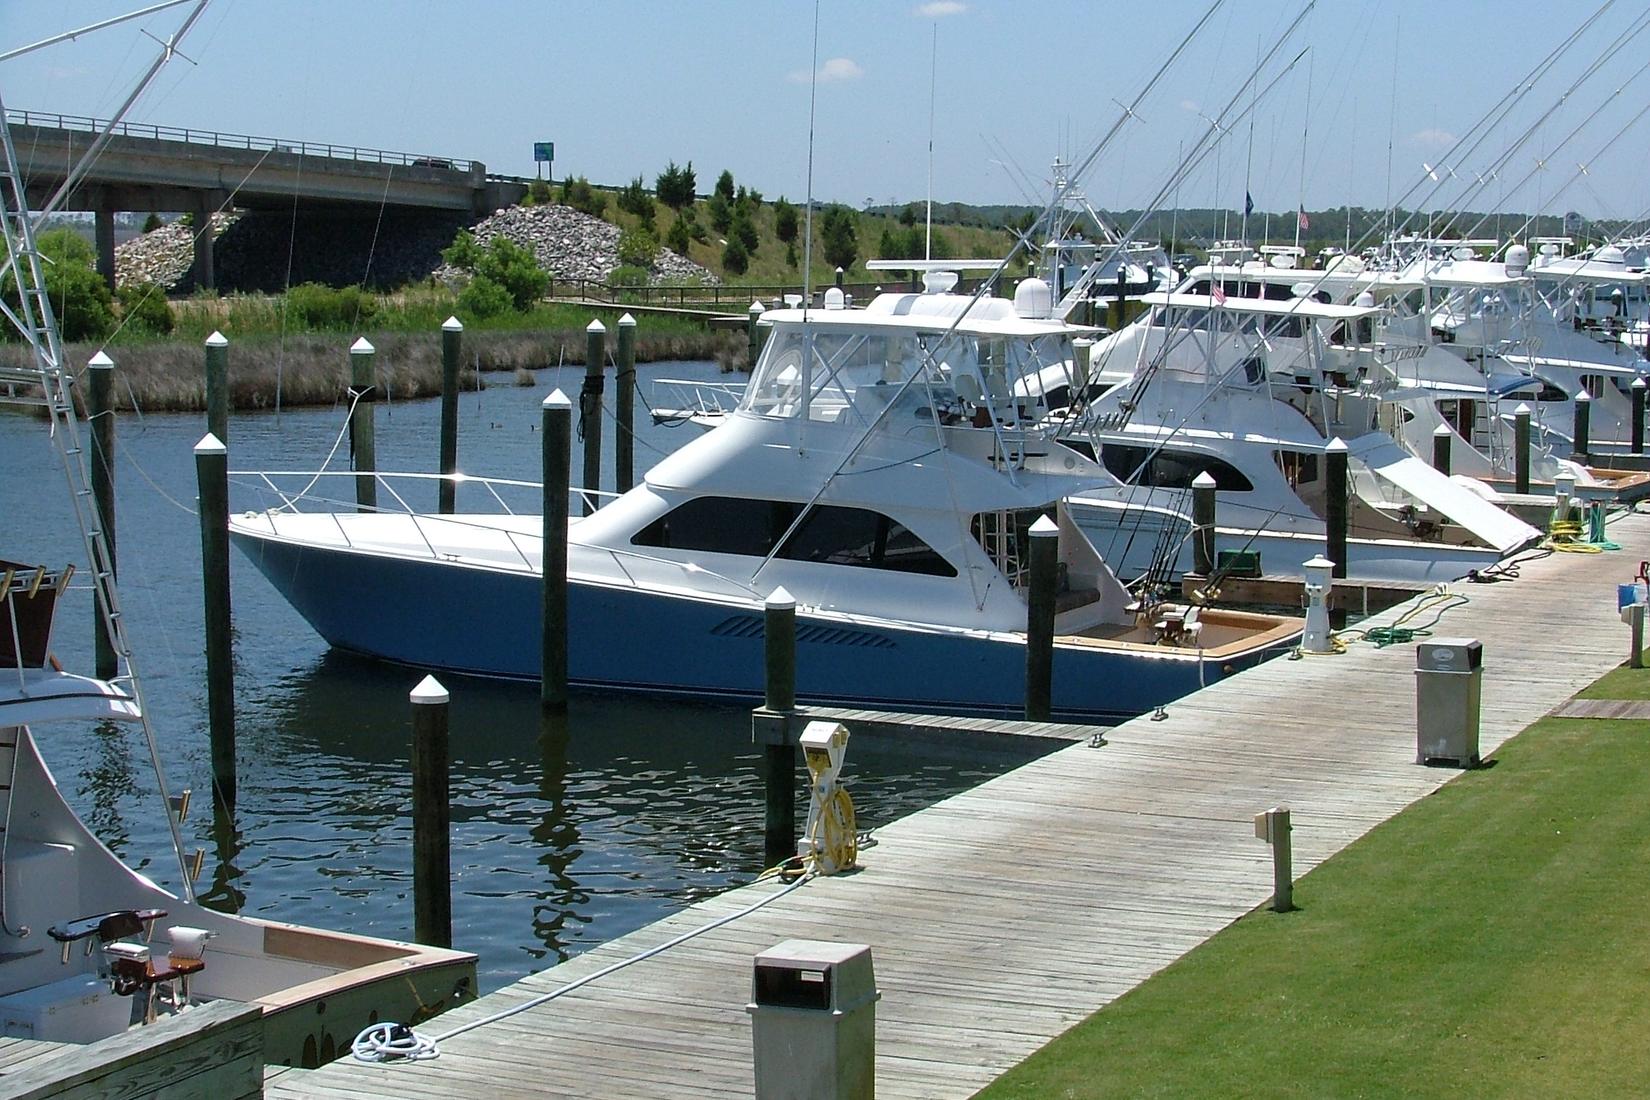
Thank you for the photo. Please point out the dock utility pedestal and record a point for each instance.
(814, 1021)
(1449, 678)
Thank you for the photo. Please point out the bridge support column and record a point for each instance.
(104, 232)
(206, 204)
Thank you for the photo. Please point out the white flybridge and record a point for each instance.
(76, 961)
(884, 467)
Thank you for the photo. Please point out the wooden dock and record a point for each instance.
(1004, 915)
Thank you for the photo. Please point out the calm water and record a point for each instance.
(563, 837)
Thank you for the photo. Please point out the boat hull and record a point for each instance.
(485, 621)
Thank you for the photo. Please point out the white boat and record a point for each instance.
(878, 468)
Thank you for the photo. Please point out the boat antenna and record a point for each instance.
(808, 215)
(933, 67)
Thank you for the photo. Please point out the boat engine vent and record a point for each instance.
(752, 626)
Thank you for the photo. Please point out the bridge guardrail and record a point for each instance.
(54, 121)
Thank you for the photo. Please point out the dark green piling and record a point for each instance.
(101, 413)
(590, 409)
(1441, 439)
(1521, 449)
(1336, 496)
(212, 478)
(557, 433)
(1045, 550)
(624, 401)
(1203, 524)
(217, 386)
(452, 350)
(432, 816)
(779, 752)
(363, 451)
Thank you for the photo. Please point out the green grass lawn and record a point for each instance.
(1489, 941)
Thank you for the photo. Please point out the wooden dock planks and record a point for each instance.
(1006, 914)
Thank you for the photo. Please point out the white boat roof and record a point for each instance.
(928, 313)
(1586, 271)
(1465, 273)
(37, 695)
(1296, 307)
(1553, 362)
(933, 265)
(1361, 278)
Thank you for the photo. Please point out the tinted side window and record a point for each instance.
(1170, 469)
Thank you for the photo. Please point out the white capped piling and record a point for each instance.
(100, 412)
(217, 386)
(212, 478)
(432, 815)
(590, 408)
(1637, 391)
(1335, 504)
(1521, 448)
(1273, 827)
(1203, 524)
(1442, 438)
(624, 400)
(557, 434)
(1583, 426)
(363, 395)
(772, 726)
(1045, 549)
(452, 351)
(1082, 352)
(753, 337)
(1564, 491)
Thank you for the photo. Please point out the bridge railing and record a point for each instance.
(733, 298)
(53, 121)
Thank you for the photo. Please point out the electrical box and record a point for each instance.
(813, 1021)
(1238, 563)
(1449, 677)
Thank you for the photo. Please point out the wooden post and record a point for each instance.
(1274, 828)
(100, 411)
(1441, 438)
(1583, 425)
(217, 387)
(1335, 504)
(1122, 292)
(839, 277)
(557, 433)
(1637, 390)
(1635, 619)
(1521, 448)
(212, 478)
(363, 451)
(752, 337)
(1203, 524)
(452, 351)
(1045, 549)
(779, 756)
(1082, 350)
(590, 409)
(432, 816)
(624, 400)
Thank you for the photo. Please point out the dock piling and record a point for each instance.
(212, 477)
(590, 409)
(100, 411)
(1335, 504)
(779, 753)
(432, 816)
(1441, 438)
(752, 336)
(217, 386)
(363, 396)
(1203, 524)
(1521, 448)
(452, 350)
(1273, 827)
(557, 433)
(1583, 426)
(1637, 390)
(1082, 352)
(624, 398)
(1045, 548)
(1635, 620)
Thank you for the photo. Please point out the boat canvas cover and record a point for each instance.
(1389, 462)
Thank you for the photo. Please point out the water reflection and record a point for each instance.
(106, 782)
(224, 893)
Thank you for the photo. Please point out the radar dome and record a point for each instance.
(1033, 299)
(1518, 260)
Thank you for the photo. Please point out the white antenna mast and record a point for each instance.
(933, 66)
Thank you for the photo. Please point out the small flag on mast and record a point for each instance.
(1217, 292)
(1248, 204)
(1302, 220)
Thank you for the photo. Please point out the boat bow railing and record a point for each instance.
(678, 399)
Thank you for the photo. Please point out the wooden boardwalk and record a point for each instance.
(1002, 916)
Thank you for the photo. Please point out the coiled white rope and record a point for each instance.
(389, 1042)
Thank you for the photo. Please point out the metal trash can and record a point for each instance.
(1449, 677)
(813, 1021)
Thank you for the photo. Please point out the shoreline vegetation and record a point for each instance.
(167, 374)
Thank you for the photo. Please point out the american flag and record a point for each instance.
(1218, 292)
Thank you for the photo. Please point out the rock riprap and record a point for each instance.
(570, 244)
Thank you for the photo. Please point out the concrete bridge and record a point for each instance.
(162, 168)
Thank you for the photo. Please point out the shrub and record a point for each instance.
(677, 240)
(80, 298)
(698, 232)
(638, 248)
(464, 253)
(634, 199)
(838, 236)
(735, 259)
(315, 306)
(724, 187)
(539, 192)
(578, 194)
(720, 211)
(143, 309)
(515, 269)
(675, 186)
(483, 298)
(784, 220)
(628, 275)
(743, 229)
(152, 223)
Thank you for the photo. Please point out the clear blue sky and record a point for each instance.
(624, 86)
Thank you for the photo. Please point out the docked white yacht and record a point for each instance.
(879, 467)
